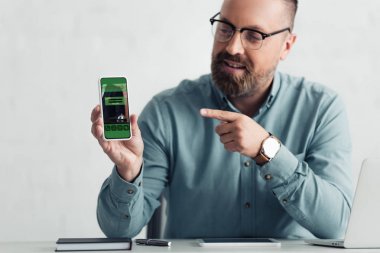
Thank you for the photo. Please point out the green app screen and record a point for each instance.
(115, 109)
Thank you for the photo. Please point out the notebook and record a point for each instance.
(90, 244)
(363, 229)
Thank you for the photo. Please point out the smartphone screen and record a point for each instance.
(115, 109)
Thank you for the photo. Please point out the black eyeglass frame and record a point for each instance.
(263, 35)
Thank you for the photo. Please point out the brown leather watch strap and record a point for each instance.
(261, 159)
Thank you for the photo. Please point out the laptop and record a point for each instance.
(363, 229)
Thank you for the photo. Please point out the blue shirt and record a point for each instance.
(212, 192)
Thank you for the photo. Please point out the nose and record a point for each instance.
(235, 46)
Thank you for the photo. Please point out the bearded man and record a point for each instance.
(245, 151)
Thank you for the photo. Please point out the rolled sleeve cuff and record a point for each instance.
(123, 190)
(280, 168)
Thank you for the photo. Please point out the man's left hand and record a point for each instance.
(237, 132)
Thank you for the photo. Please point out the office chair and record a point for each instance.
(157, 223)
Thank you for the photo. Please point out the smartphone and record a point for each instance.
(115, 108)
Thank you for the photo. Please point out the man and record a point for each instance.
(244, 152)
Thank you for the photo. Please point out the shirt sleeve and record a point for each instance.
(315, 187)
(125, 208)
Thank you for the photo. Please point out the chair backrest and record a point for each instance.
(157, 224)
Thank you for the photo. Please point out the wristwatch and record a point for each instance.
(269, 149)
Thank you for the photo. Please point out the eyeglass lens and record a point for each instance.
(224, 32)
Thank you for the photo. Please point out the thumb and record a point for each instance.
(135, 128)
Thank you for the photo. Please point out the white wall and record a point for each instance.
(53, 51)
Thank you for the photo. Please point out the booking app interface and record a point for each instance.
(114, 93)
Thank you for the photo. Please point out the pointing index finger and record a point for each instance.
(219, 114)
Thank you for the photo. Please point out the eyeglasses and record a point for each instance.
(223, 31)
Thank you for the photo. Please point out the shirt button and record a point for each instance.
(130, 191)
(284, 201)
(247, 163)
(268, 177)
(247, 205)
(140, 183)
(126, 216)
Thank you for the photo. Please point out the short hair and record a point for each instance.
(292, 5)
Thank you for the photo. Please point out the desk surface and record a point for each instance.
(182, 246)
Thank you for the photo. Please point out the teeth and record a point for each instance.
(234, 65)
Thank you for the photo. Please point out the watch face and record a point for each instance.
(271, 147)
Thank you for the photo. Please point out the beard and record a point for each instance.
(238, 86)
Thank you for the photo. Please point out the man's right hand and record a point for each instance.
(127, 155)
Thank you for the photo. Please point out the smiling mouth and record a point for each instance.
(234, 65)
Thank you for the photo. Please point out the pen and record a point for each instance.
(153, 242)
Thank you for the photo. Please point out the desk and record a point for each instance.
(183, 246)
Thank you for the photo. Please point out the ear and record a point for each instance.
(289, 42)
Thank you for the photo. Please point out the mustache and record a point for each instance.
(220, 57)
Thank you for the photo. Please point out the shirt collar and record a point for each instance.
(274, 89)
(221, 99)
